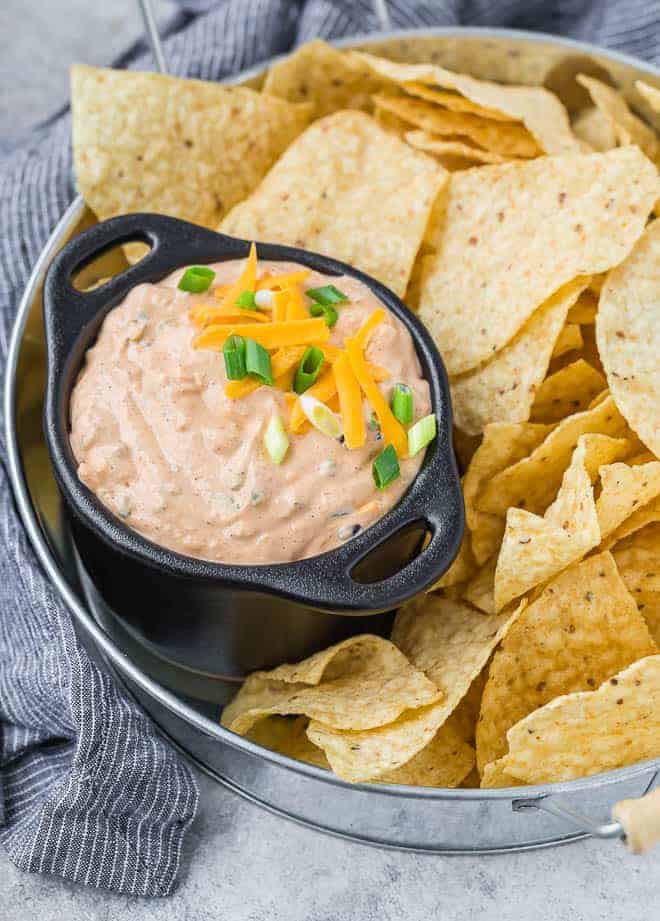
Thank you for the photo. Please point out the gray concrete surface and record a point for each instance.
(242, 864)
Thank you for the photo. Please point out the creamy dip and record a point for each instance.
(162, 446)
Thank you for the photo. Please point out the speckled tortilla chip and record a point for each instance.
(480, 590)
(509, 139)
(348, 189)
(624, 490)
(360, 683)
(569, 339)
(627, 128)
(186, 148)
(538, 109)
(324, 77)
(453, 101)
(589, 732)
(512, 235)
(650, 93)
(584, 310)
(503, 444)
(638, 561)
(287, 735)
(569, 390)
(628, 336)
(503, 389)
(447, 640)
(535, 549)
(444, 762)
(594, 128)
(451, 149)
(532, 482)
(582, 629)
(647, 514)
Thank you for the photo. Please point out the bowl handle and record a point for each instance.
(68, 311)
(434, 500)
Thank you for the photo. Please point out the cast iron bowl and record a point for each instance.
(220, 618)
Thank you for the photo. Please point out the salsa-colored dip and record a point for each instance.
(160, 443)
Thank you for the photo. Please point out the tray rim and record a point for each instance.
(83, 617)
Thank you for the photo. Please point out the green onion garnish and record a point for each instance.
(326, 295)
(246, 300)
(196, 279)
(327, 311)
(308, 369)
(257, 361)
(234, 353)
(386, 468)
(402, 403)
(276, 440)
(422, 433)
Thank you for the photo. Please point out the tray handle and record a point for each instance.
(636, 822)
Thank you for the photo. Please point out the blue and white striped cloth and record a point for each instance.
(88, 791)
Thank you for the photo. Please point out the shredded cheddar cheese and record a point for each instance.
(350, 402)
(287, 280)
(283, 363)
(245, 281)
(324, 389)
(392, 430)
(362, 335)
(271, 335)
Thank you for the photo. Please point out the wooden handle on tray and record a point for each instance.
(640, 819)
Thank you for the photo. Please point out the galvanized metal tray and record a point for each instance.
(186, 704)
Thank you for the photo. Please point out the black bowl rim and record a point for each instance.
(72, 319)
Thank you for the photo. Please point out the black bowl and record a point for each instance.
(217, 617)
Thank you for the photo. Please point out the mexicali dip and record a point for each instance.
(250, 414)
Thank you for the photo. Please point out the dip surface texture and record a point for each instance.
(162, 446)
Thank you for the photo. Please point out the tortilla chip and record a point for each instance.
(509, 139)
(503, 389)
(533, 482)
(465, 716)
(452, 149)
(480, 591)
(288, 736)
(650, 93)
(359, 683)
(570, 338)
(595, 128)
(324, 77)
(368, 204)
(453, 101)
(538, 109)
(627, 128)
(462, 569)
(512, 235)
(588, 732)
(186, 148)
(625, 489)
(628, 336)
(647, 514)
(444, 762)
(584, 310)
(535, 549)
(582, 629)
(503, 444)
(569, 390)
(453, 644)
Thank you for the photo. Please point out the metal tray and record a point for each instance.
(186, 704)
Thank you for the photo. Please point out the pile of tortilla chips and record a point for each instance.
(529, 247)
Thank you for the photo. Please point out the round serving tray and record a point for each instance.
(185, 704)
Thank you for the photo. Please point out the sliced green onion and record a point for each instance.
(246, 300)
(320, 416)
(386, 468)
(421, 434)
(402, 403)
(196, 279)
(308, 369)
(326, 311)
(257, 361)
(276, 440)
(326, 295)
(234, 353)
